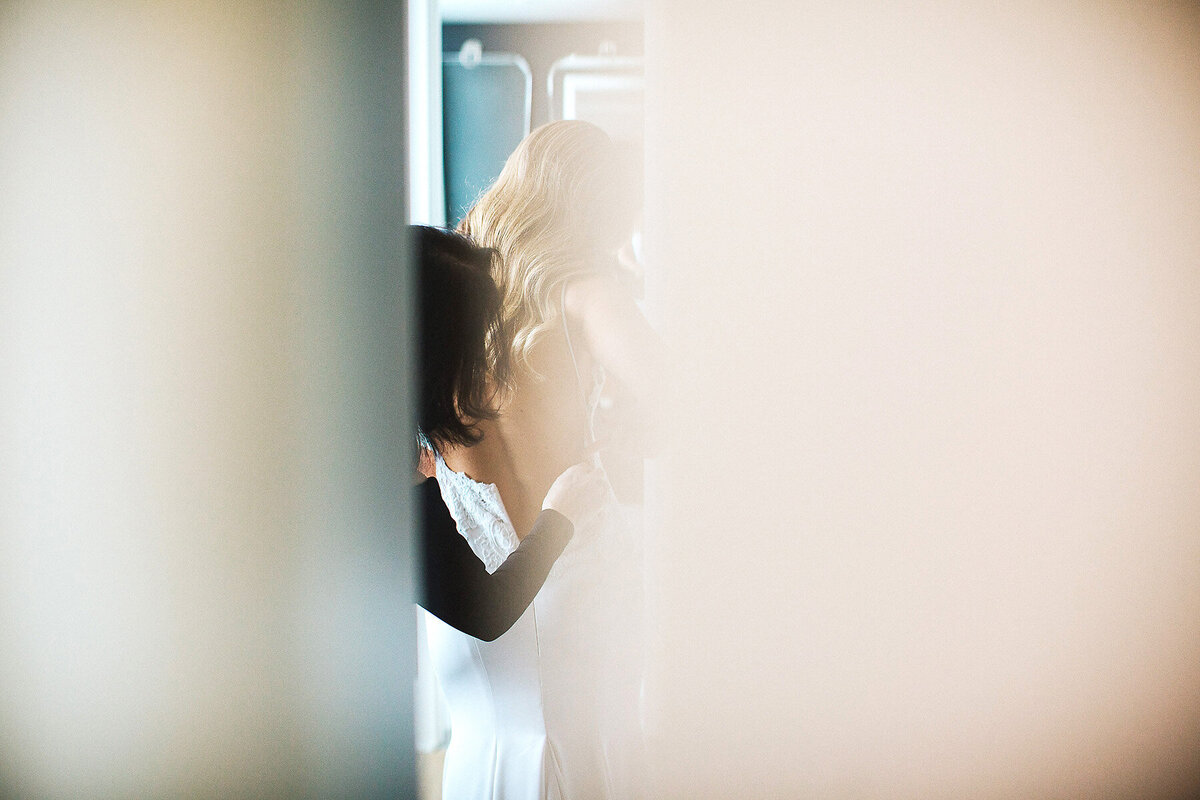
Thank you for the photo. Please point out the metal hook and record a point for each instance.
(471, 53)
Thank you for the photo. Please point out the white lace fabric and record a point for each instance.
(478, 514)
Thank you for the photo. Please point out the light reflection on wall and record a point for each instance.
(204, 584)
(930, 525)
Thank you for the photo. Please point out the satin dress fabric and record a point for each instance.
(550, 709)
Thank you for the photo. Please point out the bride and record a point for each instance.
(550, 709)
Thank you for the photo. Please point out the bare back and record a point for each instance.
(539, 433)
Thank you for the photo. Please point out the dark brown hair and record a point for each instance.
(458, 323)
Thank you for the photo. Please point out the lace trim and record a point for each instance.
(479, 515)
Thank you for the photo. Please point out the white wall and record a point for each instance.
(930, 525)
(539, 10)
(426, 179)
(204, 578)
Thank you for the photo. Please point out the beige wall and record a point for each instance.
(204, 585)
(932, 273)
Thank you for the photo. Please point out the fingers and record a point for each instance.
(426, 464)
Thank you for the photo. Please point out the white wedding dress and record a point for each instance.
(550, 709)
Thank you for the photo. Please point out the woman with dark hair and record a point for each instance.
(458, 307)
(458, 319)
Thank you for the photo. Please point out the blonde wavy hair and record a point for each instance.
(554, 213)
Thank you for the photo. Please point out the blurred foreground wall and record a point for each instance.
(931, 526)
(204, 579)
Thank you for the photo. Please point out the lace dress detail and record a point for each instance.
(478, 514)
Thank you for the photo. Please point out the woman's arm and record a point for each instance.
(603, 314)
(616, 334)
(457, 589)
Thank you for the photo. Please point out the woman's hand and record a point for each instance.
(426, 465)
(579, 492)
